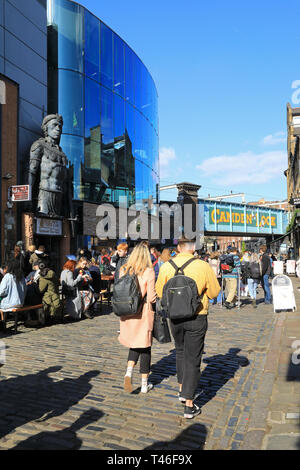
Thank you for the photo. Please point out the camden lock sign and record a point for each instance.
(222, 216)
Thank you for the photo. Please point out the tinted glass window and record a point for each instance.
(70, 101)
(92, 46)
(119, 66)
(106, 55)
(73, 148)
(92, 110)
(68, 25)
(129, 74)
(107, 131)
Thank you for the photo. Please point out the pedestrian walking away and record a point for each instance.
(188, 333)
(136, 330)
(266, 271)
(231, 277)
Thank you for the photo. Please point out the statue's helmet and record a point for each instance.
(49, 118)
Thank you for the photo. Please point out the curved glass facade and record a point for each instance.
(109, 104)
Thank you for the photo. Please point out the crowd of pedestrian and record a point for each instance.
(178, 282)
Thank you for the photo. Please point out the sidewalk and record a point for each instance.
(62, 387)
(283, 419)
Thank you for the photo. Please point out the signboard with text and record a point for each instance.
(48, 227)
(20, 193)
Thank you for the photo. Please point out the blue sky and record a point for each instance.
(224, 72)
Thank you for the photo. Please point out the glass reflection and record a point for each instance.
(73, 148)
(67, 20)
(92, 46)
(92, 110)
(70, 101)
(111, 104)
(106, 56)
(129, 74)
(119, 70)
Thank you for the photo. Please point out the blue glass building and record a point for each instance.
(108, 100)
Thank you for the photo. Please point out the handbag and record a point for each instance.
(161, 330)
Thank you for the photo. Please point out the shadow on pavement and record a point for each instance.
(65, 439)
(219, 370)
(192, 438)
(38, 397)
(164, 368)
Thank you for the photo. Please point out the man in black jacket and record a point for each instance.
(266, 271)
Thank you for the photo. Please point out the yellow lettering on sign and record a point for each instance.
(273, 223)
(237, 218)
(222, 217)
(213, 215)
(242, 219)
(249, 219)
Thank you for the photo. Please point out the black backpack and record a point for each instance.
(254, 270)
(226, 263)
(127, 298)
(180, 298)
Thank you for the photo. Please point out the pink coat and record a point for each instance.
(136, 332)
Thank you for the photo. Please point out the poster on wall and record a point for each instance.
(48, 227)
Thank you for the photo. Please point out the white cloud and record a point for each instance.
(274, 139)
(244, 168)
(166, 154)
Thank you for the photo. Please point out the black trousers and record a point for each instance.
(145, 358)
(189, 338)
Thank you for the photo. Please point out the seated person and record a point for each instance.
(12, 287)
(33, 276)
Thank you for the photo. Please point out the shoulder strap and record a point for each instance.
(186, 264)
(173, 265)
(181, 268)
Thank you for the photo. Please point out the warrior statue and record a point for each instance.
(49, 173)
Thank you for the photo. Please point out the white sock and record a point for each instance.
(144, 384)
(129, 371)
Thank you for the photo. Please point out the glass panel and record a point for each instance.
(67, 26)
(92, 110)
(144, 92)
(73, 148)
(92, 46)
(119, 70)
(138, 181)
(138, 82)
(107, 132)
(129, 74)
(106, 54)
(119, 141)
(70, 101)
(129, 121)
(119, 116)
(92, 155)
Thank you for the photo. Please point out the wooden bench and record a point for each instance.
(26, 308)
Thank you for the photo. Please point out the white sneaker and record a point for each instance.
(146, 389)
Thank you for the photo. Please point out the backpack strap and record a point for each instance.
(186, 264)
(180, 268)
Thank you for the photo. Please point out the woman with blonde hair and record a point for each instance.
(136, 331)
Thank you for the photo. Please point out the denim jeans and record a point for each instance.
(266, 287)
(189, 342)
(252, 285)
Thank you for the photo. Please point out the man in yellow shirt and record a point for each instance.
(189, 334)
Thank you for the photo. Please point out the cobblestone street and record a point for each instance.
(62, 387)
